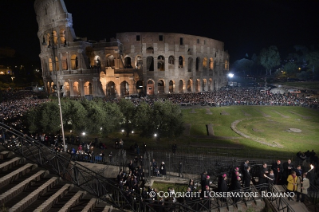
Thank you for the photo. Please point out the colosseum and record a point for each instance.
(144, 63)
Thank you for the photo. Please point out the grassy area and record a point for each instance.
(273, 128)
(164, 187)
(305, 85)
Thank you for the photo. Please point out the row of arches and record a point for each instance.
(74, 65)
(50, 37)
(76, 89)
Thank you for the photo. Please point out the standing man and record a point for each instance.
(278, 170)
(111, 157)
(247, 177)
(302, 187)
(288, 167)
(263, 174)
(180, 169)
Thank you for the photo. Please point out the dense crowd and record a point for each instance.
(241, 96)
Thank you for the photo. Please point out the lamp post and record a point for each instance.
(53, 46)
(230, 76)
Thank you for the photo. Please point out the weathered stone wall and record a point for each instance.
(150, 63)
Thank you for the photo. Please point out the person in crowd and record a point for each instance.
(302, 187)
(180, 169)
(271, 177)
(278, 170)
(298, 171)
(263, 174)
(162, 169)
(292, 184)
(288, 167)
(247, 177)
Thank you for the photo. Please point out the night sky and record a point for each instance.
(243, 26)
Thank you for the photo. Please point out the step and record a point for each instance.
(51, 201)
(74, 200)
(11, 176)
(32, 197)
(4, 154)
(8, 164)
(8, 195)
(91, 204)
(108, 208)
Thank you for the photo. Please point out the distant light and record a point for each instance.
(140, 86)
(83, 133)
(132, 131)
(155, 135)
(230, 75)
(122, 130)
(101, 128)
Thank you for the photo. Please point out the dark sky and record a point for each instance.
(243, 26)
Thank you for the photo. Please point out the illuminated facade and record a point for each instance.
(132, 63)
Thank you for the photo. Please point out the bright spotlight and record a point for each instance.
(83, 133)
(230, 75)
(122, 130)
(155, 135)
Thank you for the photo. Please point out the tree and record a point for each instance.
(269, 58)
(74, 114)
(49, 117)
(95, 116)
(313, 60)
(167, 120)
(291, 68)
(128, 110)
(113, 117)
(143, 117)
(243, 65)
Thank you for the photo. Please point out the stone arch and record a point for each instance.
(210, 84)
(48, 39)
(171, 60)
(171, 86)
(109, 60)
(88, 88)
(139, 62)
(150, 87)
(181, 62)
(90, 55)
(55, 37)
(189, 86)
(197, 64)
(97, 61)
(51, 87)
(62, 36)
(111, 89)
(57, 66)
(66, 89)
(160, 86)
(150, 50)
(197, 85)
(150, 63)
(128, 62)
(139, 87)
(190, 64)
(204, 85)
(211, 63)
(124, 88)
(76, 88)
(181, 86)
(205, 62)
(161, 63)
(50, 65)
(74, 62)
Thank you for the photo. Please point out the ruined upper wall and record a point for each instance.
(52, 14)
(149, 38)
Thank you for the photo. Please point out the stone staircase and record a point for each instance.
(26, 187)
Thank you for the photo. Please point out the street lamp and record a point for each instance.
(230, 75)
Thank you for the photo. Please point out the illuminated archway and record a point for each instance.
(150, 87)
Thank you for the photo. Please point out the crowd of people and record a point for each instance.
(132, 181)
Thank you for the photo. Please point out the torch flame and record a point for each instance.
(311, 167)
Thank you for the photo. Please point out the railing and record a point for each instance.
(279, 203)
(60, 164)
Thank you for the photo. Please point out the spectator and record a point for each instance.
(292, 184)
(302, 187)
